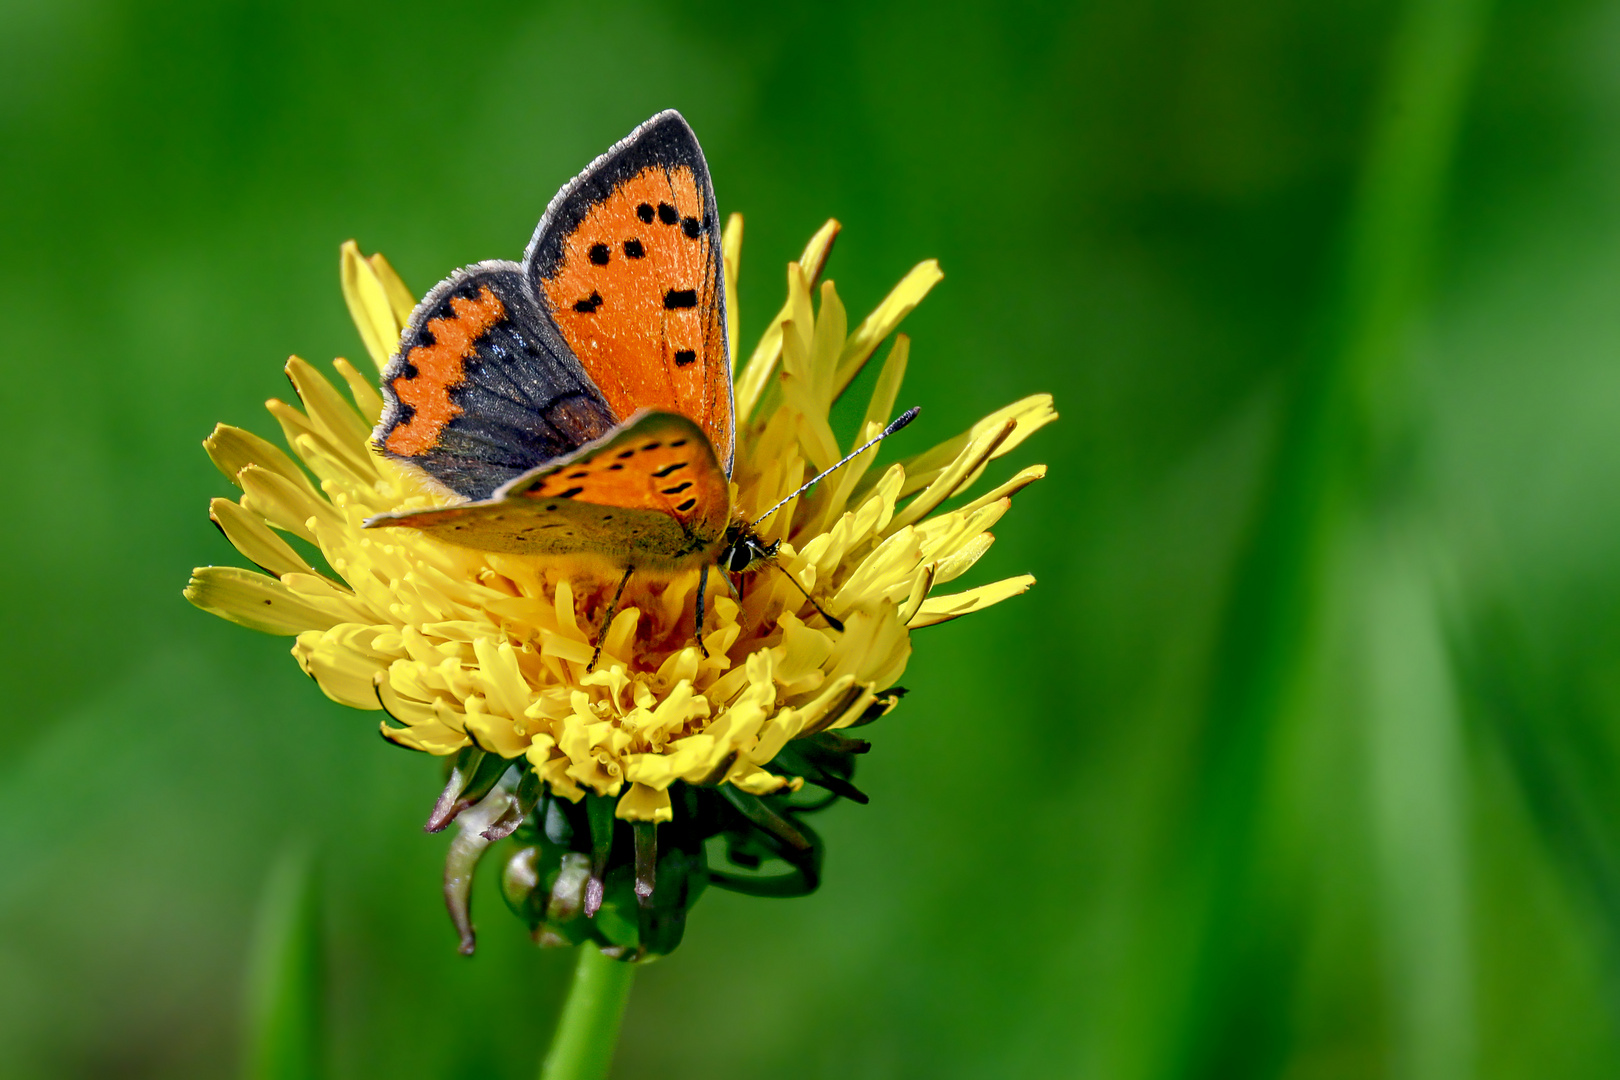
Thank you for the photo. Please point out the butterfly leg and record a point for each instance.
(702, 597)
(607, 620)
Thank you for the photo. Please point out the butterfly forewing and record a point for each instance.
(627, 262)
(483, 386)
(651, 494)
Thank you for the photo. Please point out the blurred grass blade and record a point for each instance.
(285, 988)
(1419, 810)
(1231, 1016)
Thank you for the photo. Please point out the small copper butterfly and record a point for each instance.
(581, 401)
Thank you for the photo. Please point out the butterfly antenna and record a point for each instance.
(834, 623)
(900, 421)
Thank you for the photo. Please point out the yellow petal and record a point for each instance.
(832, 325)
(255, 601)
(280, 501)
(879, 411)
(406, 710)
(257, 541)
(349, 456)
(323, 595)
(920, 584)
(233, 450)
(961, 560)
(881, 323)
(496, 733)
(938, 609)
(1029, 416)
(761, 365)
(374, 315)
(1021, 480)
(956, 476)
(642, 803)
(731, 255)
(503, 680)
(435, 739)
(400, 299)
(344, 673)
(756, 781)
(334, 418)
(366, 398)
(814, 258)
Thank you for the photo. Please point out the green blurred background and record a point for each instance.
(1302, 758)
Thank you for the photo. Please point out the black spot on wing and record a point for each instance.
(645, 212)
(675, 299)
(667, 469)
(633, 249)
(589, 305)
(599, 254)
(668, 214)
(684, 357)
(692, 227)
(687, 505)
(570, 493)
(678, 488)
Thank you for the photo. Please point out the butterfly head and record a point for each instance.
(744, 550)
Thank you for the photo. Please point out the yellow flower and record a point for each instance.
(467, 648)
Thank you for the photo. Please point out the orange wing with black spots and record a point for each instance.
(627, 263)
(650, 495)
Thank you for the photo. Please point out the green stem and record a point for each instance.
(582, 1049)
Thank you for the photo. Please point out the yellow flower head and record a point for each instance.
(473, 652)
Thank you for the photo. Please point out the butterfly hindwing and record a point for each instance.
(483, 388)
(627, 262)
(650, 494)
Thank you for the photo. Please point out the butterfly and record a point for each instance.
(580, 402)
